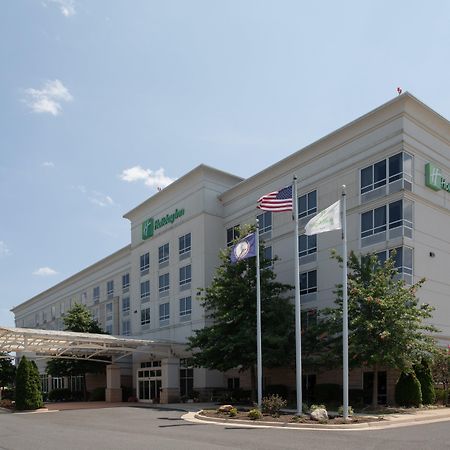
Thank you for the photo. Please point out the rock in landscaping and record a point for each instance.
(225, 408)
(319, 415)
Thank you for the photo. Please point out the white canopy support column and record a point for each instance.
(113, 392)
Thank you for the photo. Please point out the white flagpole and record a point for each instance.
(258, 319)
(298, 334)
(344, 303)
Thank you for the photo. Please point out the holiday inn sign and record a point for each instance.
(150, 225)
(434, 179)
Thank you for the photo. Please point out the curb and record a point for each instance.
(196, 417)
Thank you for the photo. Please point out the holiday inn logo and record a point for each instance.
(434, 179)
(150, 225)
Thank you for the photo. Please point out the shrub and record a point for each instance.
(254, 414)
(314, 407)
(233, 412)
(60, 395)
(28, 391)
(442, 396)
(407, 390)
(341, 410)
(328, 393)
(273, 404)
(423, 374)
(97, 395)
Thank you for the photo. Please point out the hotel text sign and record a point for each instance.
(434, 179)
(150, 225)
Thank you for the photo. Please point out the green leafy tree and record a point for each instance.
(79, 319)
(230, 307)
(441, 369)
(386, 321)
(407, 390)
(7, 371)
(28, 386)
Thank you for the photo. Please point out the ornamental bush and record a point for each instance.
(233, 412)
(254, 414)
(28, 389)
(423, 374)
(407, 390)
(273, 404)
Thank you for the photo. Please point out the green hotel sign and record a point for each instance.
(150, 225)
(434, 179)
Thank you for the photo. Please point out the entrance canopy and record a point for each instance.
(71, 345)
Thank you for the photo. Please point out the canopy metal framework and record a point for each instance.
(71, 345)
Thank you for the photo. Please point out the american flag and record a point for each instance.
(277, 201)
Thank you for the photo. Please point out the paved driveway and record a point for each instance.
(129, 428)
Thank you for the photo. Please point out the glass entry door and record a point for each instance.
(149, 382)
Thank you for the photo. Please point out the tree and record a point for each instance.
(230, 304)
(80, 320)
(441, 369)
(386, 322)
(28, 386)
(423, 374)
(7, 371)
(407, 390)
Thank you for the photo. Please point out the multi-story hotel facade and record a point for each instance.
(394, 162)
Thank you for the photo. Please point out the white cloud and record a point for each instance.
(49, 98)
(49, 164)
(45, 272)
(97, 198)
(4, 250)
(67, 7)
(155, 179)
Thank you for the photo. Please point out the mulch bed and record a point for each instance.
(288, 418)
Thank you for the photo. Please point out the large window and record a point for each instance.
(396, 214)
(126, 329)
(163, 253)
(308, 318)
(308, 282)
(232, 234)
(186, 379)
(185, 306)
(307, 245)
(164, 283)
(387, 171)
(96, 294)
(403, 261)
(126, 281)
(184, 244)
(145, 262)
(110, 289)
(185, 275)
(164, 313)
(145, 290)
(109, 311)
(307, 204)
(126, 304)
(145, 316)
(265, 222)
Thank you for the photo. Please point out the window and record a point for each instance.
(109, 328)
(145, 290)
(234, 383)
(186, 379)
(307, 204)
(96, 294)
(110, 289)
(83, 298)
(145, 316)
(185, 275)
(44, 382)
(265, 222)
(164, 312)
(126, 330)
(126, 281)
(125, 304)
(403, 261)
(392, 216)
(53, 312)
(307, 245)
(232, 234)
(163, 253)
(109, 311)
(164, 283)
(308, 318)
(145, 262)
(387, 171)
(308, 282)
(185, 306)
(184, 244)
(57, 383)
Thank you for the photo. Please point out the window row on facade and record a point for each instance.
(164, 316)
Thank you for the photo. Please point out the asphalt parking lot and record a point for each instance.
(137, 428)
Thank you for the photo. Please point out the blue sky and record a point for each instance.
(104, 101)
